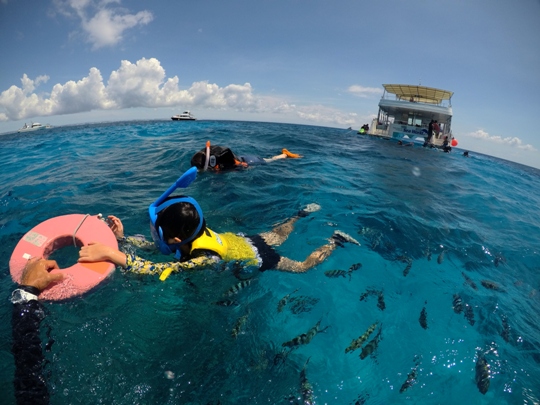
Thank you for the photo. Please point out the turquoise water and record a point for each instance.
(135, 339)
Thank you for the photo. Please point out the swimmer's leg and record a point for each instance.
(280, 233)
(317, 256)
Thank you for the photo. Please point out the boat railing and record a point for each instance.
(417, 99)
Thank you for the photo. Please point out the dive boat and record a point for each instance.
(185, 116)
(33, 127)
(405, 111)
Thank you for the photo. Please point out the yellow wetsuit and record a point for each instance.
(207, 250)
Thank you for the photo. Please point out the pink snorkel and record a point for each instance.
(207, 155)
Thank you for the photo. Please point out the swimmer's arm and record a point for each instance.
(139, 241)
(95, 252)
(139, 265)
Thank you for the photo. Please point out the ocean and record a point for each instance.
(447, 274)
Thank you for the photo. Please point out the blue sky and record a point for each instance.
(296, 61)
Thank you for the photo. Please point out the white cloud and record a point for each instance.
(511, 140)
(362, 91)
(102, 24)
(326, 115)
(144, 84)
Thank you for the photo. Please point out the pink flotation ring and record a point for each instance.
(59, 232)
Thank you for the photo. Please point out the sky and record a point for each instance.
(308, 62)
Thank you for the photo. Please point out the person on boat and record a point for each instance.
(219, 158)
(429, 134)
(29, 382)
(436, 129)
(178, 227)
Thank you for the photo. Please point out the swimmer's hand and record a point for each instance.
(116, 226)
(37, 273)
(98, 252)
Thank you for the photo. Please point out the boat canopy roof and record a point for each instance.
(419, 93)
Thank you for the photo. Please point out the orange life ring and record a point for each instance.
(59, 232)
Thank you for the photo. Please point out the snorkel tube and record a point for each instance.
(162, 203)
(207, 155)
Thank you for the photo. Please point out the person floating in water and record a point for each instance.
(219, 158)
(466, 153)
(29, 382)
(364, 129)
(178, 227)
(446, 145)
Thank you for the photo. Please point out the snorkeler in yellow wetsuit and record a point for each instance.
(178, 227)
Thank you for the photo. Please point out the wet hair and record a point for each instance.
(225, 159)
(199, 159)
(179, 220)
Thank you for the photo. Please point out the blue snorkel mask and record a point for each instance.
(161, 203)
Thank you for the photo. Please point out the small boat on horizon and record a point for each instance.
(35, 126)
(185, 116)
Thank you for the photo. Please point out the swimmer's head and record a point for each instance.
(180, 220)
(198, 160)
(176, 222)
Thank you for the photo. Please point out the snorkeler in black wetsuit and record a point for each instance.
(222, 158)
(29, 382)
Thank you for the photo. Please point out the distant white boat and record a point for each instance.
(35, 126)
(185, 116)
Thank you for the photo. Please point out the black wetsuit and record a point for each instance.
(29, 382)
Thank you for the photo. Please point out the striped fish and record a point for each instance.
(354, 267)
(357, 343)
(336, 273)
(371, 346)
(457, 304)
(238, 325)
(306, 389)
(235, 289)
(482, 374)
(468, 281)
(282, 302)
(305, 338)
(226, 303)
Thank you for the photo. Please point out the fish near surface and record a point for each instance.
(282, 302)
(336, 273)
(505, 333)
(471, 283)
(482, 374)
(380, 301)
(238, 326)
(305, 338)
(423, 318)
(226, 303)
(371, 346)
(491, 285)
(357, 343)
(302, 303)
(354, 267)
(407, 269)
(306, 389)
(440, 258)
(235, 289)
(411, 378)
(457, 304)
(469, 314)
